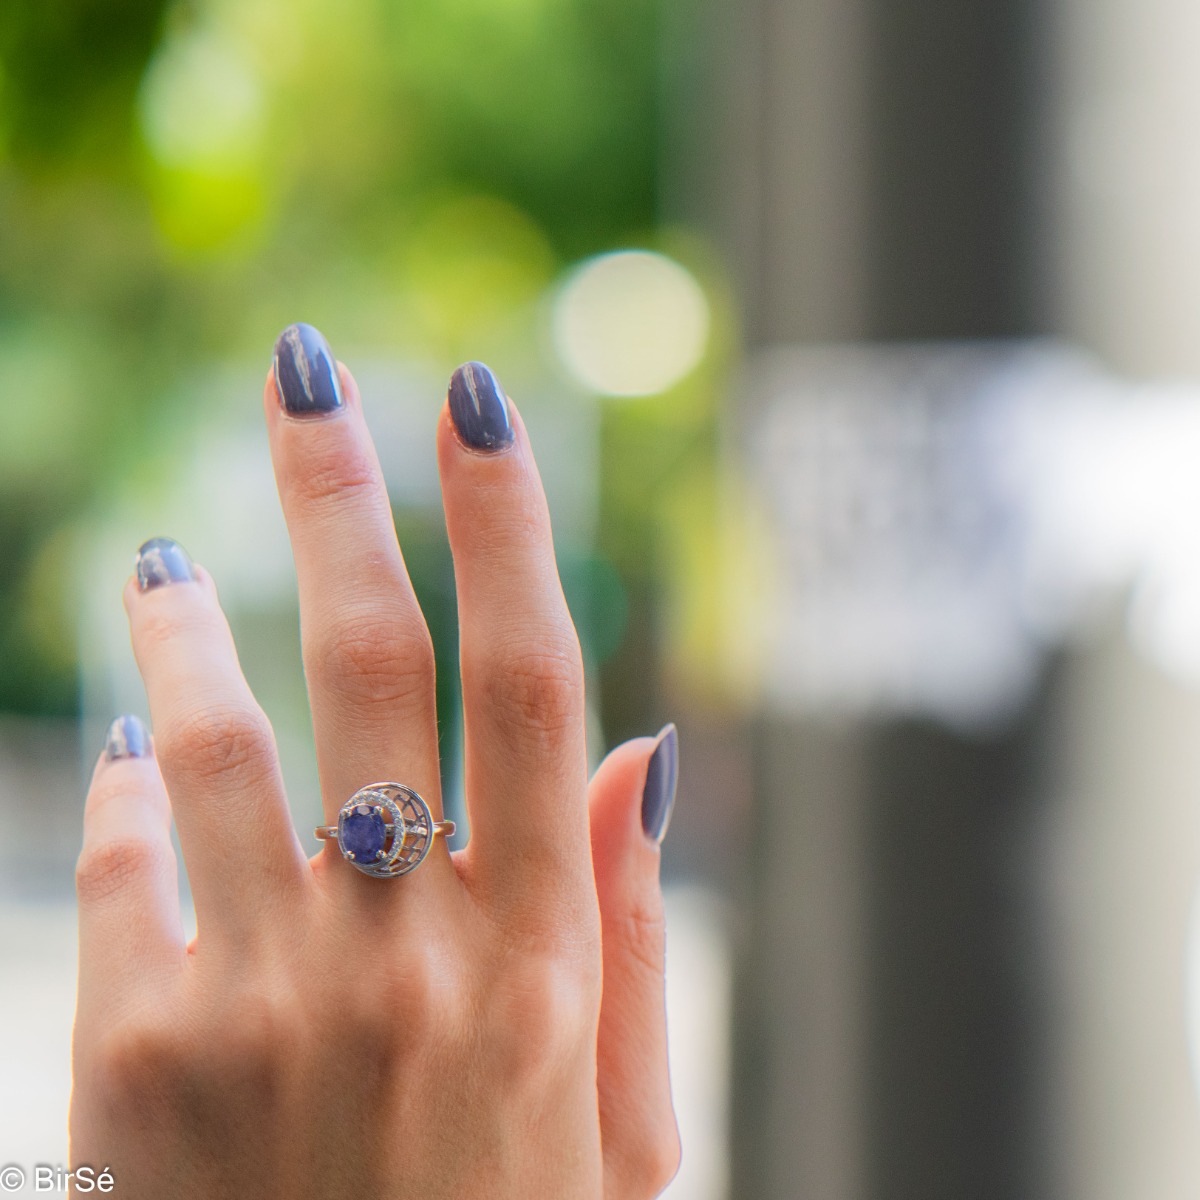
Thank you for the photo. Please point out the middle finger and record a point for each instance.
(368, 656)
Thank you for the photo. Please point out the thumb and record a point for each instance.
(630, 800)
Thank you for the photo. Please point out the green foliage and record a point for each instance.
(179, 181)
(71, 71)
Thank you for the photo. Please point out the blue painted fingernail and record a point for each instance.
(306, 373)
(480, 408)
(127, 737)
(662, 776)
(161, 561)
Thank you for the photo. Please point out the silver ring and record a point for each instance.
(385, 830)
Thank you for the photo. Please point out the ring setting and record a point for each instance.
(385, 830)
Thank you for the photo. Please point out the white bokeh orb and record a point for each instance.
(630, 323)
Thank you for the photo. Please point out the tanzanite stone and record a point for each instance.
(363, 833)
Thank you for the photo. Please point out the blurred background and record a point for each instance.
(860, 344)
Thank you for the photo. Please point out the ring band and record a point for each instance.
(385, 830)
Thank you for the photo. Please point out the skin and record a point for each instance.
(491, 1025)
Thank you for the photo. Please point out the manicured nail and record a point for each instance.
(480, 408)
(127, 737)
(161, 561)
(306, 373)
(661, 777)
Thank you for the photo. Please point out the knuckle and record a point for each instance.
(411, 1005)
(372, 1029)
(219, 741)
(376, 658)
(542, 1014)
(403, 1013)
(423, 986)
(163, 1065)
(136, 1062)
(336, 477)
(106, 868)
(521, 526)
(249, 1050)
(163, 625)
(537, 689)
(642, 930)
(105, 793)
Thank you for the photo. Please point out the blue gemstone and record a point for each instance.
(363, 833)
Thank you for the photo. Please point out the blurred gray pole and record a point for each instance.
(868, 173)
(769, 151)
(868, 167)
(1123, 176)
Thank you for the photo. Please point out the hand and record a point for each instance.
(490, 1025)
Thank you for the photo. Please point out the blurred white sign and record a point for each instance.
(941, 513)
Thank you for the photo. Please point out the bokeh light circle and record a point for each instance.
(201, 104)
(630, 323)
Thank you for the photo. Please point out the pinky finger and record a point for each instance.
(629, 803)
(130, 929)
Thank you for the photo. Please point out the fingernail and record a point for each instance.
(127, 737)
(662, 775)
(161, 561)
(480, 408)
(306, 373)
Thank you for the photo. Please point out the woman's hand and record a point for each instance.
(490, 1025)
